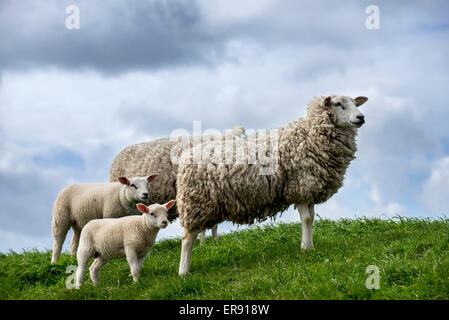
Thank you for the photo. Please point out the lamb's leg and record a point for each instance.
(307, 214)
(202, 236)
(59, 234)
(134, 265)
(188, 239)
(95, 268)
(215, 232)
(83, 256)
(75, 241)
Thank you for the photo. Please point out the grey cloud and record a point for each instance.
(123, 35)
(132, 35)
(27, 200)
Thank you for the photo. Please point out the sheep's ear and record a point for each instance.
(327, 102)
(151, 178)
(169, 204)
(360, 100)
(142, 208)
(123, 180)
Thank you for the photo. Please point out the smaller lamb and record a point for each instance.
(77, 204)
(131, 237)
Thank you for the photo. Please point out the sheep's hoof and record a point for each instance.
(307, 247)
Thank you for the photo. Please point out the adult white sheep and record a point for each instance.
(130, 237)
(312, 156)
(77, 204)
(160, 156)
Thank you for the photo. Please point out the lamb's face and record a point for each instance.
(346, 110)
(137, 187)
(156, 214)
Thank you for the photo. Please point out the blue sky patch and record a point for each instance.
(62, 158)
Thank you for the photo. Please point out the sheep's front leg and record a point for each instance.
(307, 214)
(134, 264)
(188, 239)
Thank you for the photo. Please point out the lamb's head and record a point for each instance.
(345, 109)
(156, 214)
(137, 187)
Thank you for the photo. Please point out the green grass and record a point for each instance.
(262, 263)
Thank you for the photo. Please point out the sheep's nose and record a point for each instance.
(145, 195)
(164, 223)
(361, 118)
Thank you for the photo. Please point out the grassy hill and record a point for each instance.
(262, 263)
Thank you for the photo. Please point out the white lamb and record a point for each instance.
(77, 204)
(131, 237)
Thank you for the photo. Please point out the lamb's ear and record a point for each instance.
(169, 204)
(142, 208)
(360, 100)
(327, 102)
(123, 180)
(151, 178)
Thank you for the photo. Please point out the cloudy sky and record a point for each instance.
(71, 99)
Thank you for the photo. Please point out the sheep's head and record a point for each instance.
(156, 214)
(137, 187)
(346, 110)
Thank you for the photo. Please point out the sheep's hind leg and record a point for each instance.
(83, 257)
(59, 234)
(95, 268)
(188, 239)
(75, 241)
(215, 232)
(203, 236)
(307, 214)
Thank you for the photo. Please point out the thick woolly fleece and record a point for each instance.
(156, 157)
(313, 155)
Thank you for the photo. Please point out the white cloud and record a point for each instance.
(232, 11)
(18, 241)
(435, 193)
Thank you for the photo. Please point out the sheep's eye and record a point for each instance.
(338, 104)
(134, 186)
(152, 214)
